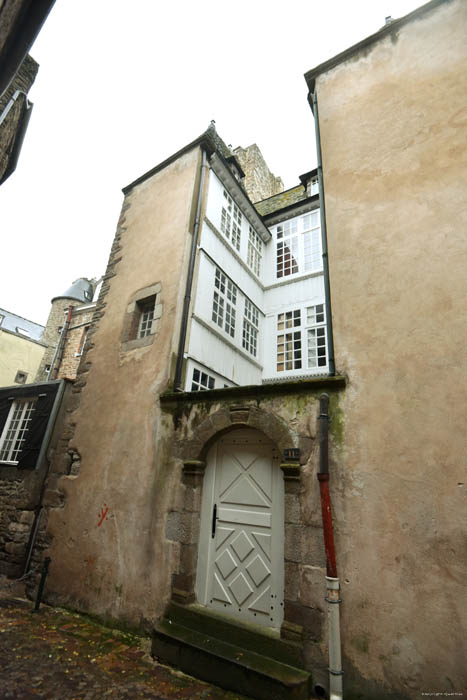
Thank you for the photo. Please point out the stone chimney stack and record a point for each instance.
(259, 181)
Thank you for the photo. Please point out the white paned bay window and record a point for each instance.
(250, 328)
(316, 337)
(231, 221)
(301, 340)
(289, 341)
(255, 251)
(223, 304)
(298, 245)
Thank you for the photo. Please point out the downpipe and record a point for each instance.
(189, 281)
(57, 358)
(333, 598)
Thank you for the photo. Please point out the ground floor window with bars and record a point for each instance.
(301, 339)
(17, 425)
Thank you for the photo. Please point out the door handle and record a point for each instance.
(214, 518)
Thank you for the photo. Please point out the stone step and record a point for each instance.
(230, 666)
(262, 640)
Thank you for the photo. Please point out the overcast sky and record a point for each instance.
(122, 85)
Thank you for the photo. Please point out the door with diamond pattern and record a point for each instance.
(241, 553)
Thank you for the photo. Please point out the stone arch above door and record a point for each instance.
(195, 446)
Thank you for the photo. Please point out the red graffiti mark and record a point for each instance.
(102, 514)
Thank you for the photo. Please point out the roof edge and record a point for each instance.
(311, 75)
(23, 337)
(203, 140)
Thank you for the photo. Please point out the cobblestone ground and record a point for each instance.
(58, 654)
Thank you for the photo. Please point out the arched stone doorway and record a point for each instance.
(240, 570)
(194, 453)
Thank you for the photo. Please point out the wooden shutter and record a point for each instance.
(40, 418)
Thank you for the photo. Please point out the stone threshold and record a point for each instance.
(236, 656)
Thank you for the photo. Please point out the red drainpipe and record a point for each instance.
(323, 478)
(332, 582)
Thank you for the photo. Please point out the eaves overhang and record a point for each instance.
(390, 28)
(238, 194)
(18, 30)
(302, 207)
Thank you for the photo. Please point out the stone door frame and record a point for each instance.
(193, 454)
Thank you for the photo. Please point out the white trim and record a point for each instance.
(223, 336)
(22, 418)
(232, 251)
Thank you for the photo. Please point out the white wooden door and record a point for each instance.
(241, 552)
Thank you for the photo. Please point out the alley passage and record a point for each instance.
(57, 654)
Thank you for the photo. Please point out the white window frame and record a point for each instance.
(82, 342)
(316, 337)
(313, 186)
(23, 331)
(289, 341)
(301, 337)
(201, 380)
(255, 251)
(298, 246)
(231, 221)
(20, 413)
(250, 328)
(224, 303)
(146, 320)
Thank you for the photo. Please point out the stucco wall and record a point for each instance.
(393, 130)
(109, 554)
(18, 354)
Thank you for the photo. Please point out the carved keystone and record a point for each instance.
(239, 414)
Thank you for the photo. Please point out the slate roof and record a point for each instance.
(281, 200)
(11, 322)
(81, 290)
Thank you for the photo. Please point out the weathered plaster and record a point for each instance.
(393, 132)
(109, 554)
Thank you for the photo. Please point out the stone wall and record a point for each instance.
(20, 503)
(22, 81)
(51, 334)
(259, 181)
(75, 341)
(288, 415)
